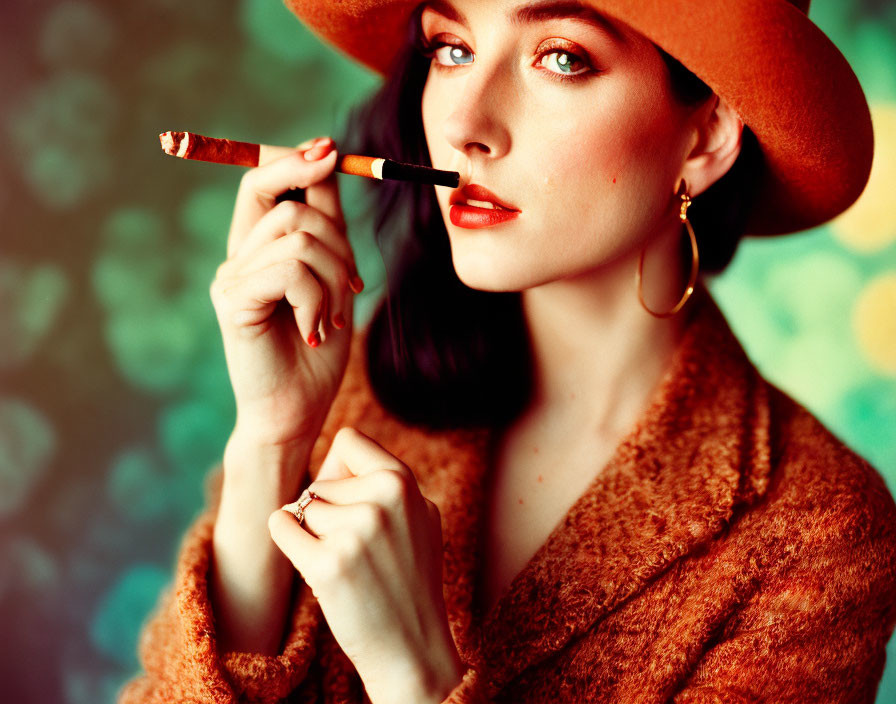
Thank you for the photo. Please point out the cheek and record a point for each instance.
(601, 179)
(586, 146)
(426, 113)
(576, 165)
(433, 107)
(613, 152)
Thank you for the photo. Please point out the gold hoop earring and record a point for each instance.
(695, 259)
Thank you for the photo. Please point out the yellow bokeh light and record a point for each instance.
(874, 321)
(870, 224)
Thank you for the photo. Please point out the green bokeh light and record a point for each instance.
(193, 434)
(76, 34)
(32, 297)
(26, 563)
(131, 269)
(155, 348)
(123, 608)
(205, 217)
(27, 444)
(859, 414)
(59, 133)
(138, 486)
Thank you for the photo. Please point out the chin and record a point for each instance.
(480, 274)
(490, 260)
(485, 274)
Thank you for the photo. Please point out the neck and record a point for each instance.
(597, 354)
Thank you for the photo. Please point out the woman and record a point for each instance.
(628, 511)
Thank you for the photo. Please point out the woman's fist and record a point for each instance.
(284, 296)
(370, 548)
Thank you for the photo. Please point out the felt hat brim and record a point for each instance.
(766, 58)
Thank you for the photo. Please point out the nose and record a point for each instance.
(478, 123)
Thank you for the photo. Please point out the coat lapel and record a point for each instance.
(700, 448)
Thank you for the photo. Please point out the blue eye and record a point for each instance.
(456, 55)
(448, 56)
(565, 61)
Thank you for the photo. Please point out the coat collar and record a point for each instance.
(700, 448)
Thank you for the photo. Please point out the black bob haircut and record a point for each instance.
(442, 355)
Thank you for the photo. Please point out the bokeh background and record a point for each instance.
(114, 397)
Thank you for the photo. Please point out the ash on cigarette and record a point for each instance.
(171, 141)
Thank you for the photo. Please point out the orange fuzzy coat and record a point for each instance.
(732, 550)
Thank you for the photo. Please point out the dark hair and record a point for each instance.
(441, 354)
(719, 214)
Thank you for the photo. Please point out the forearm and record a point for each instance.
(251, 579)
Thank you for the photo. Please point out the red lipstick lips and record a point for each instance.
(489, 210)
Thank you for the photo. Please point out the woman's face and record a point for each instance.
(569, 118)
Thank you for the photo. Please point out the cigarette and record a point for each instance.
(189, 145)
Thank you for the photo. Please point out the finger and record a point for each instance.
(289, 216)
(368, 527)
(324, 196)
(320, 517)
(329, 268)
(325, 309)
(382, 504)
(386, 487)
(260, 187)
(251, 299)
(324, 519)
(307, 144)
(313, 557)
(353, 454)
(294, 541)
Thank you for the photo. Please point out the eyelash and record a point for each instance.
(429, 48)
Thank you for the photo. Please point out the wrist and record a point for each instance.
(260, 477)
(255, 427)
(247, 454)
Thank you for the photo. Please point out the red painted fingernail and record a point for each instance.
(314, 339)
(339, 321)
(320, 150)
(356, 284)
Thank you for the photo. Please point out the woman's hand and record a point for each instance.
(370, 548)
(284, 378)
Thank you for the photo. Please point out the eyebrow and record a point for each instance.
(540, 11)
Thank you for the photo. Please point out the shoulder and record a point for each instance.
(796, 475)
(814, 470)
(826, 509)
(813, 564)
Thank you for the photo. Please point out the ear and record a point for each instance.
(716, 144)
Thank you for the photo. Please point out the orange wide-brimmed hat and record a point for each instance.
(766, 58)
